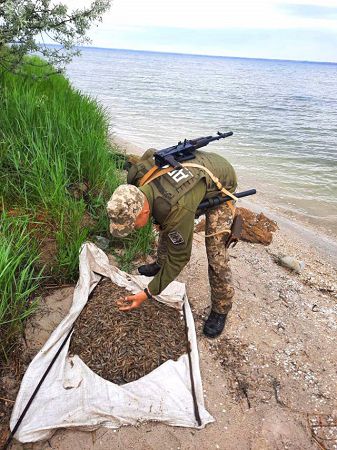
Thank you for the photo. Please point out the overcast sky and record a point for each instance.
(283, 29)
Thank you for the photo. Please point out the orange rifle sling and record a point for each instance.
(147, 175)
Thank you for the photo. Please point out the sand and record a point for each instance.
(270, 380)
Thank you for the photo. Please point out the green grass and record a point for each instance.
(57, 169)
(51, 136)
(18, 276)
(139, 243)
(54, 139)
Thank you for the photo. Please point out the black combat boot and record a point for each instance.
(149, 270)
(214, 324)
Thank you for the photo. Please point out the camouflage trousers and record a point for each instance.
(218, 220)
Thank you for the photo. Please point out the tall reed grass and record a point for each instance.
(139, 243)
(18, 276)
(57, 168)
(54, 139)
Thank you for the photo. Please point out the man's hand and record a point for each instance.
(132, 302)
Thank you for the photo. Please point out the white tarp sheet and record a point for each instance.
(72, 395)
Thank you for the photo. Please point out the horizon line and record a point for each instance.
(210, 56)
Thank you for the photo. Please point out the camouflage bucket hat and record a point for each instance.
(123, 208)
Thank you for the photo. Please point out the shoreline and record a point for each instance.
(266, 379)
(318, 238)
(291, 165)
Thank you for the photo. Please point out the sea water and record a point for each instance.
(283, 115)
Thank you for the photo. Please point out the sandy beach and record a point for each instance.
(270, 380)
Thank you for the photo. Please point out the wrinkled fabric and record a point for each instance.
(219, 272)
(73, 396)
(162, 249)
(177, 232)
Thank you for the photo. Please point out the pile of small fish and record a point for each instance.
(124, 346)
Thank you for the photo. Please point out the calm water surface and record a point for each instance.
(283, 115)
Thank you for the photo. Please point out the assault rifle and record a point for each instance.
(184, 151)
(236, 228)
(218, 200)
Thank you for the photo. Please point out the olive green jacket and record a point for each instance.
(175, 206)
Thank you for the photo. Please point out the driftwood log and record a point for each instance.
(257, 228)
